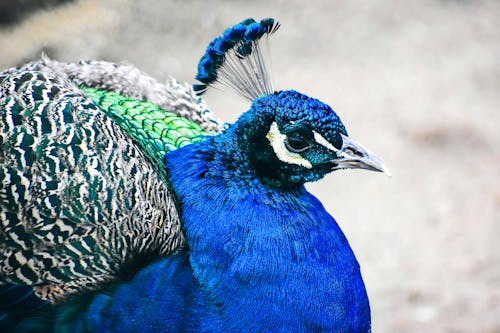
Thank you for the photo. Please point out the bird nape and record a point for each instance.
(126, 205)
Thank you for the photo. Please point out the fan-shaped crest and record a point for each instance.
(236, 60)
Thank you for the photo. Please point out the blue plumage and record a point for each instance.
(261, 254)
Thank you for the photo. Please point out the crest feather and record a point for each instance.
(236, 60)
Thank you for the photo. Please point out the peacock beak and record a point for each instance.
(353, 155)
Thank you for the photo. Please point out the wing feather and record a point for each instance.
(78, 197)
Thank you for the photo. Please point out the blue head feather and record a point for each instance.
(294, 114)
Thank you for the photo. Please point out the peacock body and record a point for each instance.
(127, 205)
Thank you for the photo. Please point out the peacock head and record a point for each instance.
(290, 138)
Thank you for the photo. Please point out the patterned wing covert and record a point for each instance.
(78, 197)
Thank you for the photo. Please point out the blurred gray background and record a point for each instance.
(418, 82)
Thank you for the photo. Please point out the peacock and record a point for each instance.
(128, 206)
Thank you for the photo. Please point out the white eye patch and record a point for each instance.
(277, 141)
(322, 141)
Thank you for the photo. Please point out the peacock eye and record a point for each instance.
(295, 143)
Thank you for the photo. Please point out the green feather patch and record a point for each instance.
(155, 130)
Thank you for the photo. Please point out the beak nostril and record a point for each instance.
(353, 152)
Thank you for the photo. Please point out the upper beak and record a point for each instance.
(353, 155)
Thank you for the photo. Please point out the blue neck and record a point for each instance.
(268, 257)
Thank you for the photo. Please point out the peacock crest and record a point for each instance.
(237, 59)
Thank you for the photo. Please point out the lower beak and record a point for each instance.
(353, 155)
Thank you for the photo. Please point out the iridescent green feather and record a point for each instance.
(157, 131)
